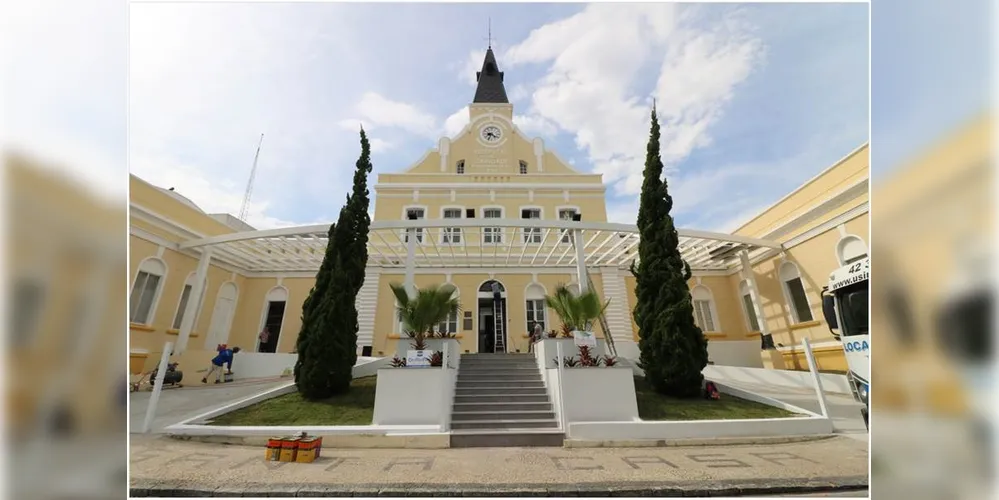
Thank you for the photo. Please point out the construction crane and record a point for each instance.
(249, 185)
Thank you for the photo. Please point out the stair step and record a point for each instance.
(473, 416)
(465, 370)
(501, 406)
(476, 438)
(476, 398)
(498, 378)
(505, 424)
(500, 391)
(508, 384)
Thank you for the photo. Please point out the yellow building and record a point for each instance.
(493, 206)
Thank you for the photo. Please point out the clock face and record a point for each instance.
(491, 134)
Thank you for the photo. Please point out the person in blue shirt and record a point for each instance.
(224, 358)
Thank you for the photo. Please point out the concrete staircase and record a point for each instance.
(501, 400)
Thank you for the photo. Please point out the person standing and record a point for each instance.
(264, 336)
(224, 358)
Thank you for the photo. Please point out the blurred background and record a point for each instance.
(64, 200)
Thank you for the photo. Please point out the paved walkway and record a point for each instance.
(167, 467)
(178, 404)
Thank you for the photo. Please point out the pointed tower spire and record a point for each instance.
(490, 88)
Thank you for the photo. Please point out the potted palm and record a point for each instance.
(578, 313)
(612, 384)
(419, 397)
(421, 313)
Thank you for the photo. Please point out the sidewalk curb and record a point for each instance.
(713, 488)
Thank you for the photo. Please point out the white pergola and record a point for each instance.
(468, 243)
(486, 243)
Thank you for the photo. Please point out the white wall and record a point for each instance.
(246, 365)
(261, 364)
(599, 395)
(831, 382)
(735, 353)
(412, 396)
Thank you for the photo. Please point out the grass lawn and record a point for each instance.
(354, 408)
(654, 406)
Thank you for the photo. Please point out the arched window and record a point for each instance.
(273, 319)
(704, 309)
(535, 307)
(850, 249)
(146, 290)
(794, 292)
(225, 307)
(752, 322)
(185, 297)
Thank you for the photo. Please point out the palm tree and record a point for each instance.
(576, 311)
(428, 307)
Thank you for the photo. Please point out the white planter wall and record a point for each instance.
(413, 396)
(735, 353)
(261, 364)
(599, 395)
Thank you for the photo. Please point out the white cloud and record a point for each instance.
(598, 56)
(456, 122)
(379, 111)
(380, 145)
(212, 197)
(472, 64)
(534, 125)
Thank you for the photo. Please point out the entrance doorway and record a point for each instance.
(492, 302)
(274, 308)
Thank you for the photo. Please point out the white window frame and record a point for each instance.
(210, 342)
(145, 266)
(526, 237)
(403, 236)
(705, 296)
(453, 319)
(567, 237)
(788, 298)
(448, 234)
(493, 231)
(750, 313)
(529, 298)
(178, 314)
(841, 245)
(268, 298)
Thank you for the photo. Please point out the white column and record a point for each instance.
(154, 398)
(584, 284)
(410, 281)
(194, 300)
(747, 272)
(816, 379)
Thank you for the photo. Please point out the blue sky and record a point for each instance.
(207, 79)
(755, 99)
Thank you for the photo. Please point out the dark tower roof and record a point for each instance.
(490, 87)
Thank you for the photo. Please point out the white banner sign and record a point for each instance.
(418, 358)
(584, 338)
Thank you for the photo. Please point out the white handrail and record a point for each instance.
(561, 397)
(445, 400)
(816, 379)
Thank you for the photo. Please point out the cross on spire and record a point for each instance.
(490, 32)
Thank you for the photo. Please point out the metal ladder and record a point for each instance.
(603, 320)
(499, 345)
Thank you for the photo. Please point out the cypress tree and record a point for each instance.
(327, 343)
(673, 348)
